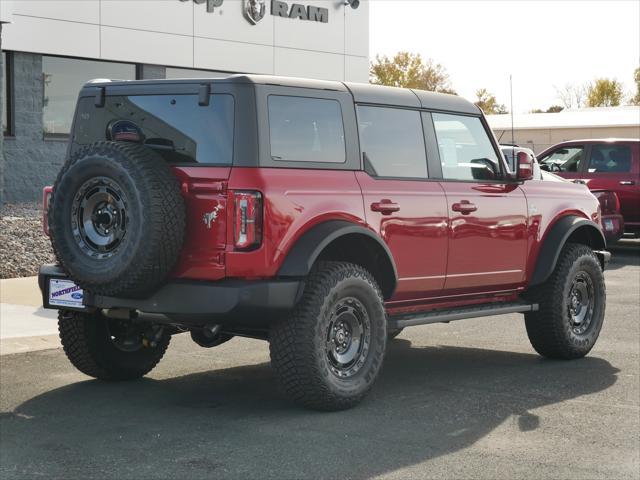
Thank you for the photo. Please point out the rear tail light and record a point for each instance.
(609, 202)
(46, 196)
(247, 225)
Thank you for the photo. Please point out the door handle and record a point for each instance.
(627, 182)
(385, 206)
(465, 207)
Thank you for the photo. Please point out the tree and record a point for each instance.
(551, 109)
(572, 95)
(409, 70)
(555, 109)
(604, 92)
(488, 103)
(636, 77)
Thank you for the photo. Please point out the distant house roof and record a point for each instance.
(574, 118)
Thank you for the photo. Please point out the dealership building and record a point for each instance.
(51, 48)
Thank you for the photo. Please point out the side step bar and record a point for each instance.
(437, 316)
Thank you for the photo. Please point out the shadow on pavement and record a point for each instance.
(623, 253)
(233, 423)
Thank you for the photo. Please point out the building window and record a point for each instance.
(63, 78)
(190, 73)
(7, 78)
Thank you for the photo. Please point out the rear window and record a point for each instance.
(175, 126)
(305, 129)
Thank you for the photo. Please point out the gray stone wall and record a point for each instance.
(2, 94)
(31, 162)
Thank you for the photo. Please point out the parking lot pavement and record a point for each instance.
(465, 400)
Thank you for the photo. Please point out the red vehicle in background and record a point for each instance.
(605, 165)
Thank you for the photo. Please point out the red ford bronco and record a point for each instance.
(324, 217)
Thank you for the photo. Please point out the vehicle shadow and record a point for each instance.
(429, 402)
(623, 253)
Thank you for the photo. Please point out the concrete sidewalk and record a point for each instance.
(24, 324)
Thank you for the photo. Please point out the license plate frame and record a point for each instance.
(63, 293)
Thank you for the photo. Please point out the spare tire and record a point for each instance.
(117, 219)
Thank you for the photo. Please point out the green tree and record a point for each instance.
(604, 92)
(409, 70)
(488, 103)
(551, 109)
(636, 77)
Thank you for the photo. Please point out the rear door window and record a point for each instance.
(465, 150)
(392, 142)
(303, 129)
(610, 159)
(174, 126)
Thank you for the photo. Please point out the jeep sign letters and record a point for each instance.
(254, 10)
(211, 4)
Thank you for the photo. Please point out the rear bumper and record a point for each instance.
(613, 227)
(196, 302)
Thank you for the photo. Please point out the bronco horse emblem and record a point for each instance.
(210, 217)
(254, 10)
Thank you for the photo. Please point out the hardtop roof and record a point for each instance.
(361, 92)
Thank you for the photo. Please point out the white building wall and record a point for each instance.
(183, 34)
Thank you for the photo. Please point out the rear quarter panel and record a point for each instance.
(294, 201)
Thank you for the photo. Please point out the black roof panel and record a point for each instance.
(362, 92)
(365, 93)
(446, 102)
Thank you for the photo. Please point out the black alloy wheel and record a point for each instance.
(348, 337)
(99, 217)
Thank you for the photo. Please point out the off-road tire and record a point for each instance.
(155, 219)
(298, 343)
(86, 342)
(550, 329)
(391, 334)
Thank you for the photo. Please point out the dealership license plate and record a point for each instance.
(608, 224)
(65, 293)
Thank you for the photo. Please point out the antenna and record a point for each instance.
(511, 93)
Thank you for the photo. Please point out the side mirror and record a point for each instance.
(524, 163)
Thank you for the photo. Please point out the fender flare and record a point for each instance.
(304, 253)
(557, 238)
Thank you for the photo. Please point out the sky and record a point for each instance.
(543, 44)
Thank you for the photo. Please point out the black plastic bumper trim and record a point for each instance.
(226, 298)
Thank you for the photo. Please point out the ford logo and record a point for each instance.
(76, 296)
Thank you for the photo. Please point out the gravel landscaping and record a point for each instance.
(23, 245)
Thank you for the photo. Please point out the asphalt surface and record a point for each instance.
(465, 400)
